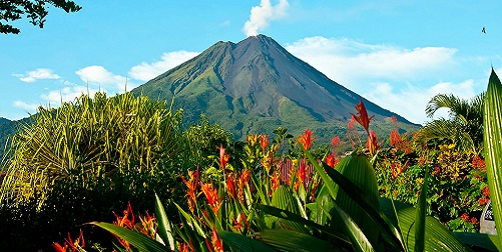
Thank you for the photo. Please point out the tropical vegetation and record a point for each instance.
(196, 189)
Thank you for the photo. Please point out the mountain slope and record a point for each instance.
(255, 86)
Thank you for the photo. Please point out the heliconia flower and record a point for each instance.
(301, 174)
(242, 183)
(275, 179)
(307, 140)
(218, 247)
(397, 168)
(330, 160)
(223, 157)
(362, 116)
(335, 142)
(192, 184)
(231, 186)
(372, 143)
(351, 124)
(70, 244)
(212, 197)
(486, 191)
(240, 222)
(263, 142)
(148, 225)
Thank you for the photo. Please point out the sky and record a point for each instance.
(396, 53)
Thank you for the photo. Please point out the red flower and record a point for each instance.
(352, 123)
(243, 182)
(335, 142)
(212, 197)
(301, 175)
(223, 157)
(70, 243)
(330, 160)
(231, 186)
(307, 140)
(362, 116)
(275, 179)
(263, 142)
(191, 184)
(218, 247)
(465, 217)
(486, 191)
(241, 222)
(372, 143)
(397, 168)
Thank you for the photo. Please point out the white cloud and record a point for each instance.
(30, 107)
(37, 74)
(55, 97)
(351, 62)
(147, 71)
(99, 75)
(410, 101)
(261, 16)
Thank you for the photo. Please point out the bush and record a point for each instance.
(87, 158)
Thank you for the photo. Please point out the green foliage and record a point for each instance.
(91, 156)
(34, 10)
(492, 123)
(464, 125)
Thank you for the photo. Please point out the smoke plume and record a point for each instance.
(262, 15)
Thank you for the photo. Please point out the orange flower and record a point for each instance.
(127, 221)
(394, 120)
(218, 247)
(241, 222)
(397, 168)
(335, 142)
(70, 243)
(192, 187)
(212, 196)
(243, 182)
(148, 225)
(362, 116)
(231, 186)
(223, 157)
(301, 175)
(307, 140)
(263, 142)
(486, 191)
(275, 179)
(330, 160)
(372, 143)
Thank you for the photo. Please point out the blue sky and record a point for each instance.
(397, 54)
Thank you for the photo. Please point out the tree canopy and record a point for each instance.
(35, 10)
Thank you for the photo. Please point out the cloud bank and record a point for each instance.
(37, 74)
(261, 16)
(147, 71)
(402, 80)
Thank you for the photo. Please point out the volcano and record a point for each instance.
(255, 86)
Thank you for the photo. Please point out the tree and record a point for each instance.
(36, 10)
(464, 127)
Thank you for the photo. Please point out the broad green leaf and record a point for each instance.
(164, 225)
(290, 240)
(242, 243)
(358, 169)
(284, 214)
(136, 239)
(477, 241)
(437, 236)
(359, 240)
(283, 199)
(379, 219)
(420, 215)
(492, 123)
(191, 221)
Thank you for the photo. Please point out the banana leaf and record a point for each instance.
(492, 124)
(136, 239)
(290, 240)
(242, 243)
(164, 226)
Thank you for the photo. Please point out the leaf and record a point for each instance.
(284, 214)
(477, 241)
(359, 240)
(283, 199)
(331, 176)
(492, 122)
(420, 215)
(437, 236)
(290, 240)
(138, 240)
(242, 243)
(164, 226)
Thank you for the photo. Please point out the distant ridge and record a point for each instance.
(255, 86)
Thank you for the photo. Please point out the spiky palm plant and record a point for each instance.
(464, 125)
(91, 139)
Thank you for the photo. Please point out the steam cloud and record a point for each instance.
(261, 16)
